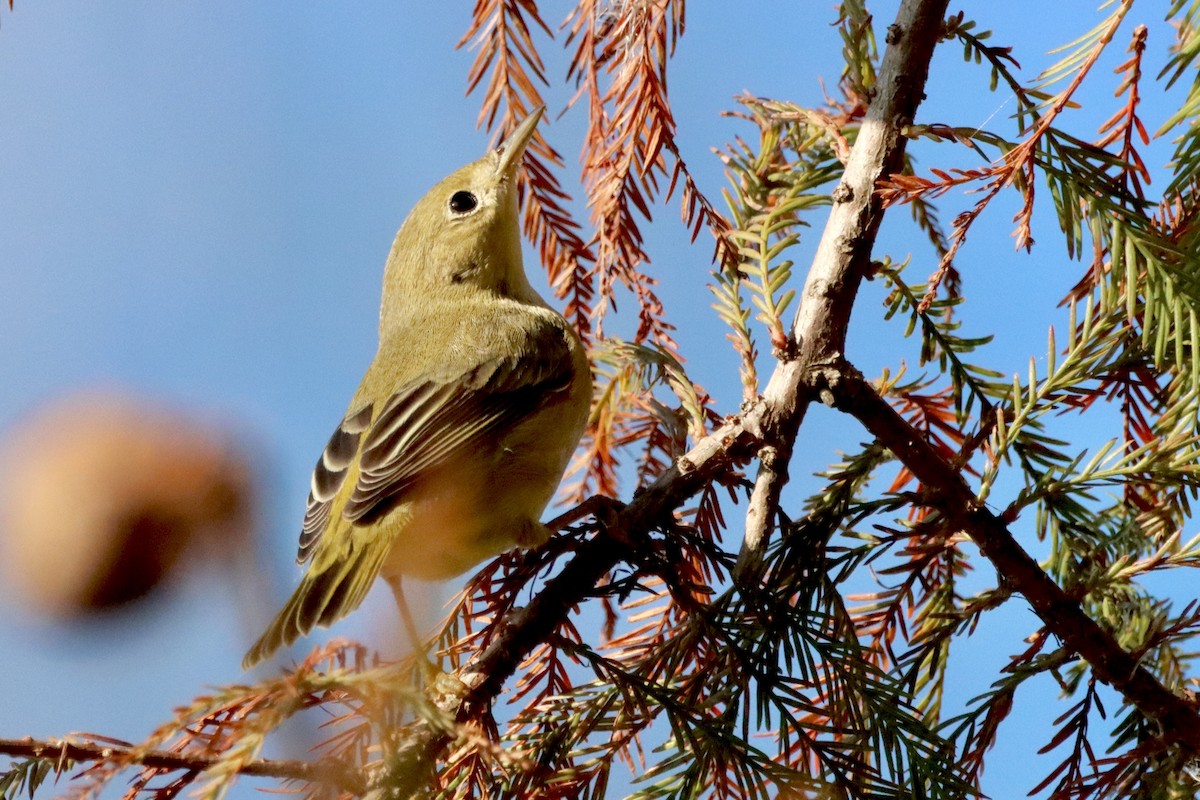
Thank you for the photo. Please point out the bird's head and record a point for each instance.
(464, 234)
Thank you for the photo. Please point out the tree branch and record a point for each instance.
(843, 257)
(844, 387)
(327, 771)
(485, 673)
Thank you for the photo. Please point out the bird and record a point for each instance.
(466, 419)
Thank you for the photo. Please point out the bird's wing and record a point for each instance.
(424, 424)
(329, 475)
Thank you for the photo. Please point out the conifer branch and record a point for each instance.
(501, 33)
(65, 751)
(845, 388)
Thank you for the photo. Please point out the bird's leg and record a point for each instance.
(428, 668)
(445, 689)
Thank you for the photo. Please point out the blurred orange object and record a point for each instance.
(102, 493)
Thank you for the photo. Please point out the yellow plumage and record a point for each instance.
(460, 431)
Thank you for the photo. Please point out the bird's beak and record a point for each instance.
(514, 146)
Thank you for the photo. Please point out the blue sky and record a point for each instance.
(196, 200)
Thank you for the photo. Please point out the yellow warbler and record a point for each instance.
(464, 422)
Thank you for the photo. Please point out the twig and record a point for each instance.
(328, 772)
(949, 493)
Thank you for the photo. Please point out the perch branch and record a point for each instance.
(483, 676)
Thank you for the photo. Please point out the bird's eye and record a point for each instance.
(462, 201)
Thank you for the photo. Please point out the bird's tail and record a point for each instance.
(322, 598)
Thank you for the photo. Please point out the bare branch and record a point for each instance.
(843, 256)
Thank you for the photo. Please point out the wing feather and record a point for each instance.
(328, 477)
